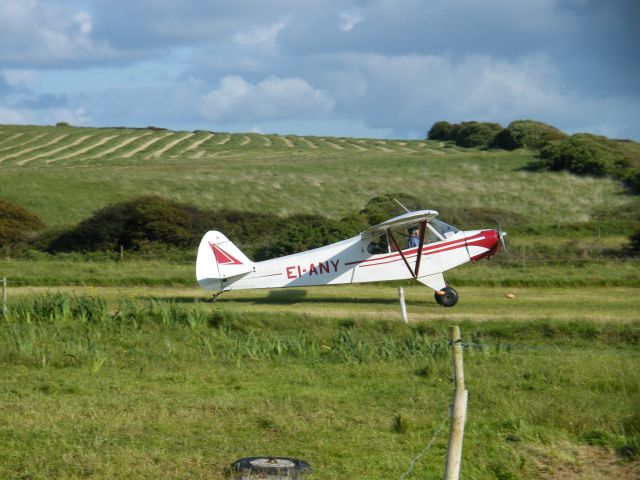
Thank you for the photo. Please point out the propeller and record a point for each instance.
(503, 237)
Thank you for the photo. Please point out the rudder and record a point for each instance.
(219, 260)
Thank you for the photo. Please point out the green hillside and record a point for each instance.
(63, 174)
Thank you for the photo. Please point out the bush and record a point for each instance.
(584, 154)
(305, 232)
(631, 179)
(476, 134)
(132, 224)
(17, 223)
(526, 134)
(634, 243)
(440, 131)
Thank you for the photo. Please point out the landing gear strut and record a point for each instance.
(215, 296)
(448, 299)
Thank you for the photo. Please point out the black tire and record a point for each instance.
(448, 299)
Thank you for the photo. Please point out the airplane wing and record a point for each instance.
(400, 221)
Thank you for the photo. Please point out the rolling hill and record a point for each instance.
(65, 173)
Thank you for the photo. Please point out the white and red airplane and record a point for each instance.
(374, 255)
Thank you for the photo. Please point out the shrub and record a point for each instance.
(631, 179)
(584, 154)
(304, 232)
(526, 134)
(440, 131)
(134, 223)
(16, 223)
(634, 243)
(476, 134)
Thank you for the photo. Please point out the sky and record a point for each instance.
(356, 68)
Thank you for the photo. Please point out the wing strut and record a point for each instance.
(397, 247)
(423, 230)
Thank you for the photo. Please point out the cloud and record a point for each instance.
(47, 33)
(274, 98)
(259, 35)
(348, 20)
(385, 66)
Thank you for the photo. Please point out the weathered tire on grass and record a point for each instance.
(448, 299)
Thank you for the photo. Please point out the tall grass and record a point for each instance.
(152, 388)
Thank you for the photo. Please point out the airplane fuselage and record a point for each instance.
(349, 261)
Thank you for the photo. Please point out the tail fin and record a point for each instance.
(219, 259)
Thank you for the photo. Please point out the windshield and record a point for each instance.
(443, 229)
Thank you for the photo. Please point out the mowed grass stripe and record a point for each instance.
(224, 140)
(9, 138)
(75, 143)
(69, 143)
(19, 145)
(357, 146)
(195, 143)
(309, 143)
(37, 147)
(170, 145)
(82, 151)
(287, 142)
(119, 145)
(332, 144)
(146, 145)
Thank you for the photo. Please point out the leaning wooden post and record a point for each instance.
(458, 411)
(4, 297)
(403, 306)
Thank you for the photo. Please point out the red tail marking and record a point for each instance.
(222, 257)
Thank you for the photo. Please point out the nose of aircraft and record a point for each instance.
(484, 244)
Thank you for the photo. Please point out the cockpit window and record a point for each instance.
(378, 245)
(443, 229)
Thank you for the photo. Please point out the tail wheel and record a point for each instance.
(448, 299)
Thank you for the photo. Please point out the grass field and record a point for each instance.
(277, 174)
(121, 369)
(149, 384)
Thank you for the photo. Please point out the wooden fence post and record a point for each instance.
(4, 297)
(458, 411)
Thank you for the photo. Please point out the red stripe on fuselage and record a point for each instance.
(410, 253)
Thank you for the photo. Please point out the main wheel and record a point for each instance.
(449, 298)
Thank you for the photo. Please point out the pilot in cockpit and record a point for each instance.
(414, 238)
